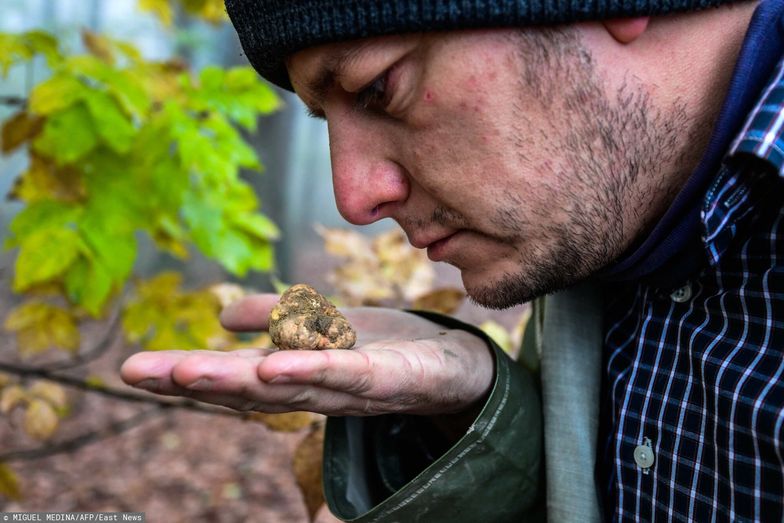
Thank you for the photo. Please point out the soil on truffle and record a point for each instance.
(306, 320)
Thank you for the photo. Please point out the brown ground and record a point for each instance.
(175, 466)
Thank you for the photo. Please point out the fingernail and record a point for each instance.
(280, 378)
(148, 384)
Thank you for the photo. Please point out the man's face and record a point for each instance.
(502, 152)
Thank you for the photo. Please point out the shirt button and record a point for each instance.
(643, 455)
(681, 295)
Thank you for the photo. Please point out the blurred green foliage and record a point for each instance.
(119, 145)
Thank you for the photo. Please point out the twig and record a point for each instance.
(133, 397)
(82, 440)
(13, 100)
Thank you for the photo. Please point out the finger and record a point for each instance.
(235, 383)
(249, 313)
(153, 371)
(305, 398)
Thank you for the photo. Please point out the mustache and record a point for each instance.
(441, 215)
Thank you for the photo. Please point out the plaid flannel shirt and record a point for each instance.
(694, 376)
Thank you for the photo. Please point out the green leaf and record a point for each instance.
(111, 124)
(41, 42)
(15, 48)
(56, 94)
(67, 135)
(42, 214)
(238, 94)
(257, 225)
(88, 284)
(43, 255)
(114, 252)
(211, 78)
(128, 90)
(264, 257)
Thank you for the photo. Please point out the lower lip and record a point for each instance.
(436, 251)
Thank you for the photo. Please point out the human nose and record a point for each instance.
(369, 184)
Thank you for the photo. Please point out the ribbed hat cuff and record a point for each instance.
(271, 30)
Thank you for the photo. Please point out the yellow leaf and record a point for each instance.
(43, 180)
(227, 293)
(5, 379)
(445, 301)
(40, 420)
(40, 326)
(95, 382)
(56, 94)
(403, 265)
(11, 397)
(279, 285)
(9, 484)
(163, 316)
(344, 243)
(20, 128)
(161, 286)
(160, 8)
(361, 284)
(418, 281)
(27, 315)
(98, 45)
(285, 422)
(212, 11)
(51, 392)
(262, 341)
(307, 469)
(498, 333)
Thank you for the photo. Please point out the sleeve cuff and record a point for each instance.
(492, 473)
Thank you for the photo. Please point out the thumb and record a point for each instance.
(250, 313)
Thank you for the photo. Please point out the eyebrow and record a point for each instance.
(322, 82)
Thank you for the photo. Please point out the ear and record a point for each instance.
(626, 30)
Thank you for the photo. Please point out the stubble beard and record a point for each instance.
(608, 145)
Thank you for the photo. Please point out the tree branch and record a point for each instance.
(82, 440)
(13, 100)
(133, 397)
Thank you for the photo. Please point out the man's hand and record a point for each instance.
(401, 363)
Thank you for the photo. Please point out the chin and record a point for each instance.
(513, 288)
(499, 292)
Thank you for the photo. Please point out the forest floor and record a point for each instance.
(173, 465)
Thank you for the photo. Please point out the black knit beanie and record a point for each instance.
(271, 30)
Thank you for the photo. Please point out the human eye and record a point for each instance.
(375, 95)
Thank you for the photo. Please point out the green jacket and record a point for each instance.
(529, 455)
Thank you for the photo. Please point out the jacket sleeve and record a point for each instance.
(396, 468)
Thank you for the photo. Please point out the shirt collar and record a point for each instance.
(763, 134)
